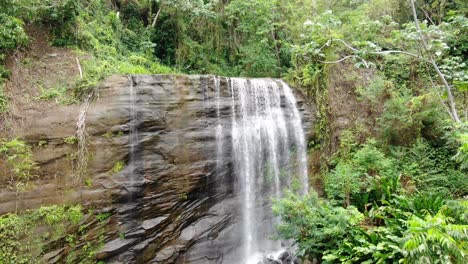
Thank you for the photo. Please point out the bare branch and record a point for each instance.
(346, 44)
(340, 60)
(436, 68)
(365, 62)
(156, 18)
(439, 95)
(79, 67)
(385, 52)
(427, 16)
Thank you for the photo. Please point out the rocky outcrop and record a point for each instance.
(344, 107)
(151, 163)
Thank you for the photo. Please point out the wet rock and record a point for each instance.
(151, 223)
(284, 256)
(114, 247)
(171, 201)
(53, 256)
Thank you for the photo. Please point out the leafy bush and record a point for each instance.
(432, 168)
(314, 224)
(375, 92)
(19, 240)
(433, 239)
(406, 118)
(402, 229)
(343, 182)
(3, 100)
(456, 210)
(118, 166)
(12, 33)
(462, 154)
(19, 158)
(366, 176)
(56, 14)
(114, 48)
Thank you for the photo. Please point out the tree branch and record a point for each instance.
(156, 17)
(439, 95)
(79, 67)
(346, 44)
(436, 68)
(385, 52)
(340, 60)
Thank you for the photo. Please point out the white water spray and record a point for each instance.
(266, 131)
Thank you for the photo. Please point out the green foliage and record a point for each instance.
(19, 158)
(12, 33)
(313, 224)
(102, 217)
(366, 175)
(49, 12)
(432, 168)
(462, 153)
(71, 140)
(401, 225)
(343, 182)
(375, 92)
(24, 236)
(118, 166)
(58, 15)
(110, 45)
(402, 229)
(59, 93)
(115, 48)
(456, 210)
(3, 99)
(88, 182)
(407, 118)
(434, 239)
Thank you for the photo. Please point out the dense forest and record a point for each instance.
(389, 187)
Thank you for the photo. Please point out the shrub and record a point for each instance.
(12, 33)
(20, 234)
(313, 224)
(407, 118)
(433, 239)
(462, 154)
(118, 166)
(432, 168)
(19, 158)
(3, 99)
(343, 182)
(366, 176)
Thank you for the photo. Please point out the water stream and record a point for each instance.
(269, 155)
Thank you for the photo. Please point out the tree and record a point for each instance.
(431, 60)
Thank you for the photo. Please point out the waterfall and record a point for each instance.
(219, 127)
(269, 153)
(82, 155)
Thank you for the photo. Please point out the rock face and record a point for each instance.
(170, 200)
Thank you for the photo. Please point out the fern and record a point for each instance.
(433, 239)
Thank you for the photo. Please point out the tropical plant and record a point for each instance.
(433, 239)
(314, 224)
(19, 158)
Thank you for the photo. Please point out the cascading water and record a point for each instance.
(269, 154)
(81, 135)
(219, 126)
